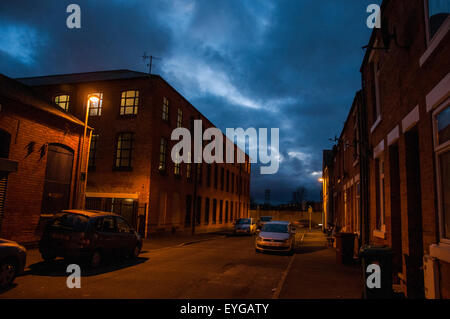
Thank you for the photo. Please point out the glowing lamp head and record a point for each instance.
(94, 99)
(320, 179)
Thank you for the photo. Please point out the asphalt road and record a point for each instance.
(224, 267)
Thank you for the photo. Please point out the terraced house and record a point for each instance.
(130, 167)
(404, 145)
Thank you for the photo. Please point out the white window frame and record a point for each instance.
(438, 150)
(433, 42)
(381, 231)
(99, 107)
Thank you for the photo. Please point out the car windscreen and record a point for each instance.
(72, 222)
(243, 221)
(275, 228)
(266, 219)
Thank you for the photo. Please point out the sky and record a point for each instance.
(287, 64)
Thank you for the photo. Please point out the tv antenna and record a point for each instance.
(150, 58)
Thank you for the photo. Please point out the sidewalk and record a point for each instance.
(314, 273)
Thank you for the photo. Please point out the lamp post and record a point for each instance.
(92, 98)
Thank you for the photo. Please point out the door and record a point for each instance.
(58, 176)
(396, 218)
(414, 260)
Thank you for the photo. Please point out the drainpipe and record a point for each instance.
(364, 168)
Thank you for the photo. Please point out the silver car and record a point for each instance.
(276, 236)
(244, 226)
(12, 261)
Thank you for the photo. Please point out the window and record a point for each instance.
(380, 206)
(129, 102)
(198, 215)
(124, 151)
(438, 11)
(95, 108)
(63, 100)
(176, 166)
(162, 155)
(93, 152)
(199, 173)
(165, 109)
(226, 212)
(441, 119)
(220, 211)
(232, 182)
(208, 175)
(187, 218)
(214, 212)
(189, 168)
(122, 226)
(231, 211)
(376, 74)
(109, 225)
(228, 181)
(180, 118)
(206, 211)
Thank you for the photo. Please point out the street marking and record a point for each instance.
(277, 292)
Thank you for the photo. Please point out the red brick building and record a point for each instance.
(405, 146)
(130, 166)
(39, 161)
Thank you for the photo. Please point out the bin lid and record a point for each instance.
(375, 250)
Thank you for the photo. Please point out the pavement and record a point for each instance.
(314, 273)
(215, 265)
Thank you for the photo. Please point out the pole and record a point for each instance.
(80, 199)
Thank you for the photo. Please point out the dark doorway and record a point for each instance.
(414, 260)
(58, 176)
(396, 216)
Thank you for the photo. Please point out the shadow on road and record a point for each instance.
(12, 286)
(58, 267)
(309, 249)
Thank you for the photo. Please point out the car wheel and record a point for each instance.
(7, 273)
(136, 251)
(48, 257)
(96, 259)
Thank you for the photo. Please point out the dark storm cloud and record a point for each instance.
(287, 64)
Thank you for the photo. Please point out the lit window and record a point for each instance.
(124, 150)
(438, 11)
(176, 167)
(63, 101)
(165, 109)
(180, 118)
(95, 108)
(442, 149)
(93, 152)
(129, 102)
(162, 154)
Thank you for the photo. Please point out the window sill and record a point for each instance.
(379, 233)
(440, 251)
(435, 41)
(374, 126)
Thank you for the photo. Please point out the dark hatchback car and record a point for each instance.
(12, 261)
(90, 236)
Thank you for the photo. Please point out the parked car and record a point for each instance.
(12, 261)
(244, 226)
(263, 220)
(276, 236)
(90, 236)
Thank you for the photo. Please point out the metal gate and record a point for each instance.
(3, 184)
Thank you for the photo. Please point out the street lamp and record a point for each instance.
(92, 98)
